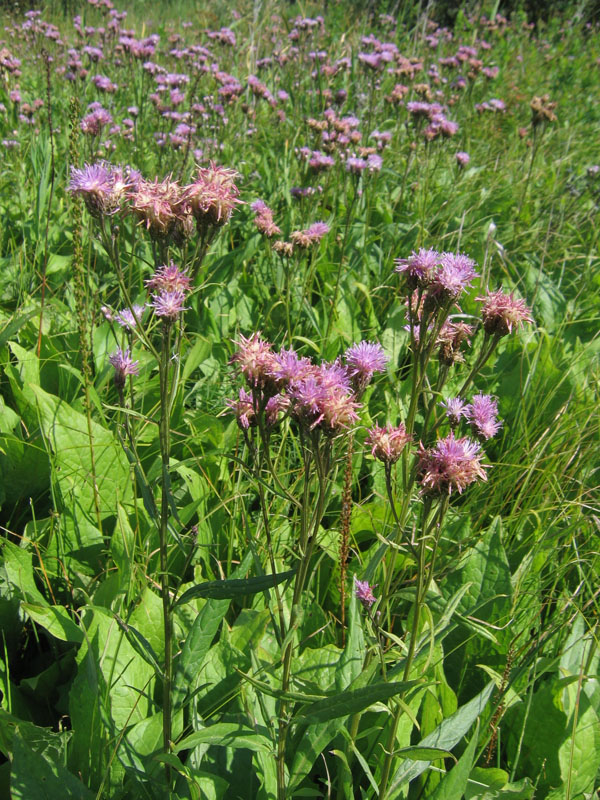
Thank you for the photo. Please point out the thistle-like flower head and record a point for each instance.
(362, 361)
(482, 414)
(450, 465)
(124, 365)
(364, 593)
(387, 443)
(501, 312)
(213, 195)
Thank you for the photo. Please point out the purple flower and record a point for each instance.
(288, 367)
(418, 267)
(169, 278)
(101, 185)
(455, 409)
(462, 158)
(481, 413)
(450, 465)
(364, 593)
(124, 365)
(454, 275)
(311, 235)
(243, 408)
(168, 304)
(324, 399)
(256, 359)
(363, 360)
(127, 317)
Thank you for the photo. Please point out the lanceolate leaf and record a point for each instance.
(229, 589)
(446, 736)
(353, 701)
(226, 734)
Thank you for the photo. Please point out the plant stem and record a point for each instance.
(165, 448)
(306, 548)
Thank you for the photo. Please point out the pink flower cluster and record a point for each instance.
(318, 396)
(445, 276)
(164, 207)
(481, 413)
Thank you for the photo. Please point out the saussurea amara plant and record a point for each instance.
(293, 403)
(185, 218)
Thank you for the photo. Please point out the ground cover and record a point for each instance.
(298, 403)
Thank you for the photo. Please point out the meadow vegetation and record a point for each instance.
(298, 402)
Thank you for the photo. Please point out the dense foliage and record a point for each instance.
(298, 404)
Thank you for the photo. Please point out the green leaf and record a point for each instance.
(56, 620)
(454, 783)
(492, 784)
(446, 735)
(352, 701)
(232, 588)
(226, 734)
(19, 573)
(199, 640)
(34, 777)
(418, 753)
(352, 658)
(80, 477)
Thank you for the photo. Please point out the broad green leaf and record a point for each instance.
(56, 620)
(311, 740)
(67, 432)
(232, 588)
(226, 734)
(492, 784)
(446, 735)
(18, 568)
(41, 740)
(34, 777)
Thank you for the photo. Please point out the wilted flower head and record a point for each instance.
(264, 219)
(482, 414)
(169, 278)
(450, 338)
(450, 465)
(501, 312)
(362, 361)
(213, 195)
(387, 443)
(159, 205)
(310, 236)
(124, 365)
(542, 110)
(364, 593)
